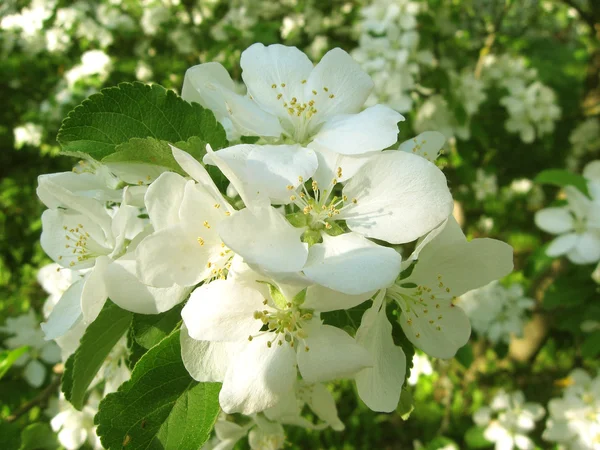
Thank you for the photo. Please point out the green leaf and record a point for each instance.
(591, 346)
(8, 358)
(150, 329)
(95, 345)
(406, 404)
(562, 178)
(38, 436)
(135, 110)
(10, 435)
(152, 151)
(571, 289)
(464, 355)
(161, 407)
(474, 438)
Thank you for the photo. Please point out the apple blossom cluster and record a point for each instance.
(496, 312)
(531, 105)
(317, 208)
(508, 420)
(388, 51)
(24, 330)
(577, 223)
(75, 429)
(574, 419)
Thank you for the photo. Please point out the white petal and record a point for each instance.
(400, 197)
(322, 403)
(373, 129)
(197, 171)
(348, 86)
(205, 83)
(562, 244)
(554, 220)
(426, 145)
(592, 171)
(275, 65)
(82, 184)
(88, 207)
(437, 330)
(163, 199)
(380, 386)
(587, 249)
(323, 299)
(94, 295)
(351, 264)
(222, 311)
(462, 267)
(59, 242)
(172, 256)
(265, 238)
(35, 373)
(210, 85)
(258, 377)
(66, 313)
(330, 162)
(126, 290)
(72, 438)
(50, 353)
(331, 354)
(270, 169)
(578, 202)
(232, 163)
(206, 361)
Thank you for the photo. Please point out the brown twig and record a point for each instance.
(43, 396)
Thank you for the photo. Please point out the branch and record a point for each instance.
(42, 397)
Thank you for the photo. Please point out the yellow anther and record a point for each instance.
(339, 172)
(227, 213)
(334, 181)
(326, 89)
(314, 92)
(209, 265)
(279, 96)
(250, 338)
(303, 81)
(418, 335)
(292, 197)
(315, 186)
(438, 328)
(206, 224)
(282, 84)
(354, 201)
(217, 205)
(290, 187)
(200, 241)
(331, 95)
(328, 225)
(273, 85)
(293, 101)
(269, 344)
(300, 180)
(291, 110)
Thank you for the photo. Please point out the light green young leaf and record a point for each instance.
(95, 345)
(135, 110)
(562, 178)
(8, 358)
(161, 406)
(276, 295)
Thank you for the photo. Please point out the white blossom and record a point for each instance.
(574, 418)
(508, 420)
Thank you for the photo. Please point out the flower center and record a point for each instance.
(319, 205)
(285, 325)
(300, 110)
(422, 303)
(79, 246)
